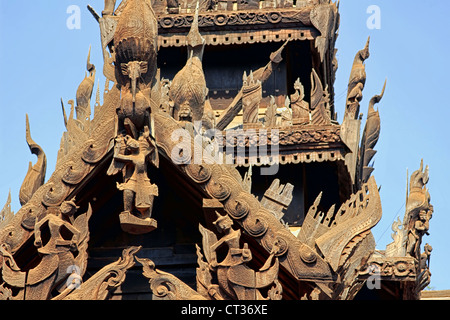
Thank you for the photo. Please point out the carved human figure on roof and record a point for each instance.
(236, 280)
(300, 108)
(419, 211)
(64, 236)
(56, 223)
(415, 234)
(138, 191)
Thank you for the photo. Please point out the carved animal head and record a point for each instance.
(134, 70)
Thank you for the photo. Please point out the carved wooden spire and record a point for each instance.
(135, 42)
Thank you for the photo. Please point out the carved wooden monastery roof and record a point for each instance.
(147, 127)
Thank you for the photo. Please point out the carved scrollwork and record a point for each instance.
(94, 151)
(220, 188)
(74, 172)
(307, 254)
(105, 281)
(31, 213)
(274, 17)
(239, 206)
(255, 226)
(387, 267)
(220, 19)
(275, 244)
(199, 173)
(56, 194)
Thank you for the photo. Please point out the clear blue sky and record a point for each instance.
(42, 60)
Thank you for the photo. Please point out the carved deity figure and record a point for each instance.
(138, 191)
(415, 234)
(235, 279)
(419, 211)
(62, 249)
(300, 108)
(135, 43)
(56, 223)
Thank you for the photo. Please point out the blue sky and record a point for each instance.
(42, 61)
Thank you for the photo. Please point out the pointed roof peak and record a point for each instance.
(194, 38)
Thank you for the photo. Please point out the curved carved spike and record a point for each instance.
(35, 176)
(376, 99)
(370, 138)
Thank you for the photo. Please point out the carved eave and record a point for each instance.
(398, 269)
(239, 27)
(217, 181)
(396, 276)
(297, 144)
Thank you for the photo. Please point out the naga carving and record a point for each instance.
(333, 232)
(320, 101)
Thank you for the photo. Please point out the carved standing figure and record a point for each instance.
(416, 233)
(138, 191)
(63, 247)
(235, 279)
(419, 211)
(300, 108)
